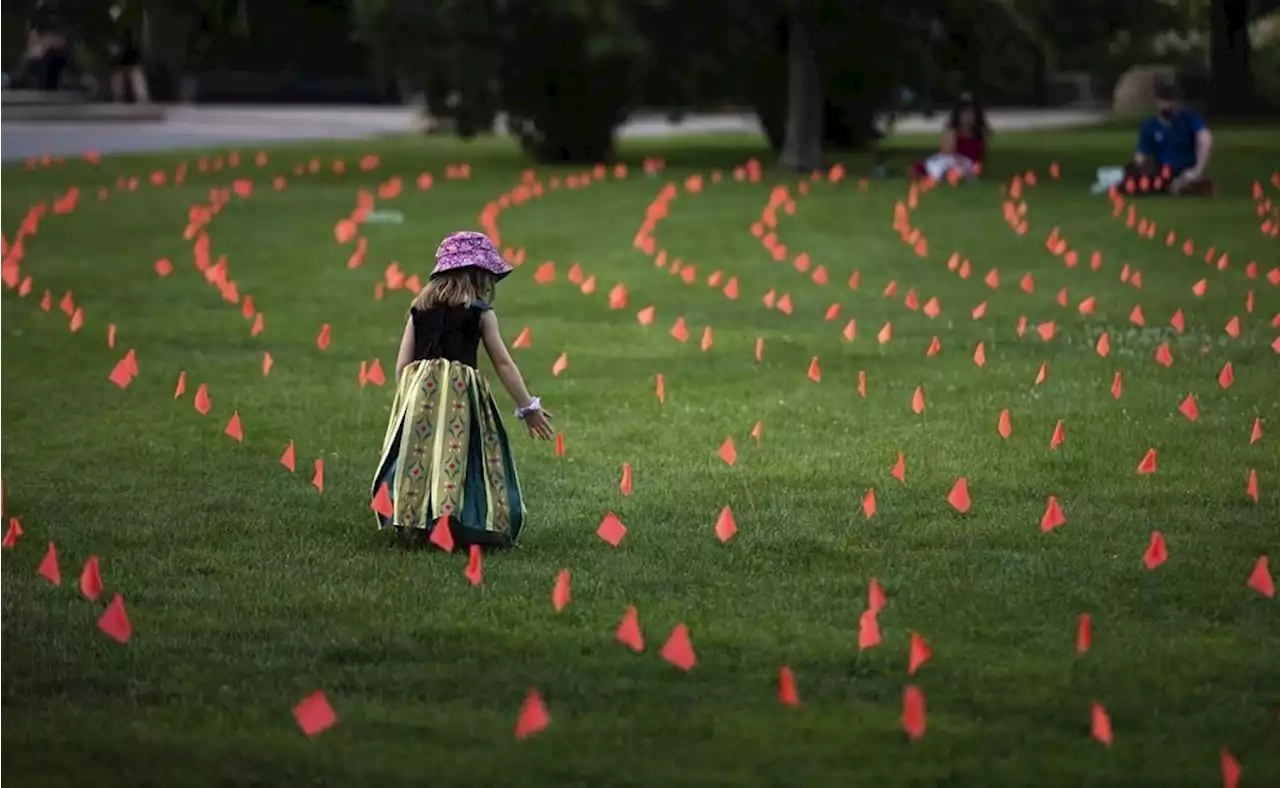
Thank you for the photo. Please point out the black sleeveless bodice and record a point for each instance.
(448, 332)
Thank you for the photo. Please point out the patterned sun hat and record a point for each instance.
(469, 249)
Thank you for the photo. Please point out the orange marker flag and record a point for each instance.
(1233, 328)
(559, 444)
(618, 297)
(920, 653)
(886, 333)
(1053, 516)
(917, 401)
(899, 471)
(1136, 317)
(1046, 330)
(120, 374)
(787, 695)
(815, 372)
(1062, 297)
(48, 568)
(475, 566)
(875, 597)
(546, 273)
(731, 289)
(1156, 553)
(660, 389)
(1199, 288)
(1101, 724)
(869, 504)
(868, 629)
(376, 376)
(77, 320)
(1227, 376)
(759, 348)
(625, 485)
(645, 316)
(979, 311)
(1043, 374)
(833, 312)
(1148, 464)
(560, 595)
(533, 717)
(934, 347)
(1251, 487)
(757, 431)
(1230, 769)
(317, 479)
(114, 622)
(381, 503)
(855, 279)
(1117, 385)
(931, 308)
(959, 495)
(628, 631)
(862, 383)
(562, 363)
(1104, 345)
(442, 534)
(1084, 634)
(267, 363)
(202, 403)
(1163, 356)
(727, 452)
(913, 712)
(1260, 579)
(726, 527)
(1088, 305)
(1059, 434)
(91, 579)
(314, 715)
(322, 340)
(1256, 434)
(524, 339)
(784, 304)
(678, 649)
(992, 279)
(850, 332)
(1188, 408)
(706, 338)
(233, 430)
(611, 529)
(679, 331)
(12, 533)
(1003, 426)
(1022, 325)
(1028, 284)
(258, 325)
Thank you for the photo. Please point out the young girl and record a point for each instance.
(446, 451)
(964, 142)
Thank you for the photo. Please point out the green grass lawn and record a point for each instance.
(248, 590)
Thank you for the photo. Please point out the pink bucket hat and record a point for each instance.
(469, 249)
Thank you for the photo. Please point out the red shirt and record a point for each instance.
(971, 147)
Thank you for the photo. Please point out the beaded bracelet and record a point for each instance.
(534, 406)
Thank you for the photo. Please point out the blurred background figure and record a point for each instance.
(47, 52)
(127, 71)
(964, 142)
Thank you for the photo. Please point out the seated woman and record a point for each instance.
(964, 143)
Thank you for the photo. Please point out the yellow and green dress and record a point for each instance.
(446, 451)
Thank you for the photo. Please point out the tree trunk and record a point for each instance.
(803, 148)
(1231, 81)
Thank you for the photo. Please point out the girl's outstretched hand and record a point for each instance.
(539, 424)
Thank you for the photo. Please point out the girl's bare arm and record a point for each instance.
(505, 368)
(405, 355)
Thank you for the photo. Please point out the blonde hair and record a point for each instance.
(457, 288)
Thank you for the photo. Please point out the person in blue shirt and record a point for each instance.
(1173, 147)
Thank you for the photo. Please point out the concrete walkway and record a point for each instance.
(219, 126)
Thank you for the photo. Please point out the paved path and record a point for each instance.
(217, 126)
